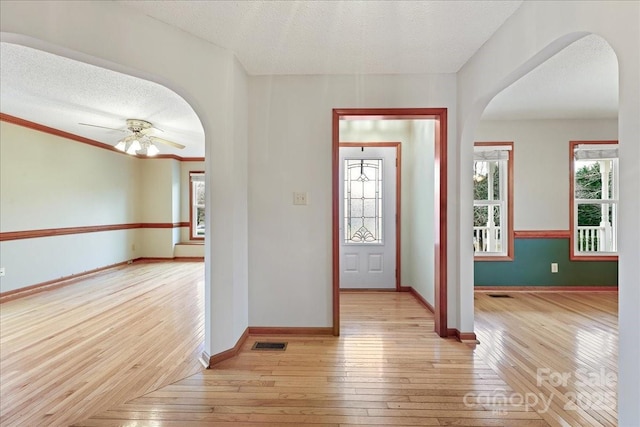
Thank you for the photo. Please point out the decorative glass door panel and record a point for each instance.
(363, 201)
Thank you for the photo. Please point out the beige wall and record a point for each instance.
(47, 181)
(157, 200)
(50, 182)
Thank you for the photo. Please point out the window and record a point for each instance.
(594, 199)
(493, 201)
(363, 201)
(196, 201)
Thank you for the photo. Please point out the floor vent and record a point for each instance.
(281, 346)
(500, 296)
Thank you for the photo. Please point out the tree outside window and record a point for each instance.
(493, 195)
(594, 199)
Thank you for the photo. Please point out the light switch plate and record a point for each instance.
(299, 198)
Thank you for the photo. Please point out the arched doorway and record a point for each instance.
(532, 140)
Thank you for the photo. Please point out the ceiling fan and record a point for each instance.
(139, 141)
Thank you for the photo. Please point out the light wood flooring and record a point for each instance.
(558, 347)
(121, 347)
(387, 368)
(75, 351)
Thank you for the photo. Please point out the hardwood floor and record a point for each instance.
(121, 347)
(388, 368)
(561, 348)
(109, 337)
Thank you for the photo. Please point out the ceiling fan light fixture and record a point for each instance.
(152, 150)
(139, 142)
(121, 145)
(147, 149)
(133, 146)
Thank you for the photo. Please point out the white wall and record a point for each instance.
(366, 130)
(50, 182)
(541, 164)
(226, 245)
(418, 259)
(239, 183)
(535, 32)
(290, 150)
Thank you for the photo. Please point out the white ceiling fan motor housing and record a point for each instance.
(135, 125)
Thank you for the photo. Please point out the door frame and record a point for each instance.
(440, 198)
(398, 222)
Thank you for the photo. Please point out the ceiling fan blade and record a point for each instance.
(103, 127)
(166, 142)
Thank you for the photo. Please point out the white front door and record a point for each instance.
(368, 210)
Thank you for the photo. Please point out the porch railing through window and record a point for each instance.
(594, 197)
(596, 239)
(486, 239)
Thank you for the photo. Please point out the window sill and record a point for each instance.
(574, 257)
(492, 258)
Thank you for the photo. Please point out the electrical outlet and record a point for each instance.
(1, 271)
(299, 198)
(554, 267)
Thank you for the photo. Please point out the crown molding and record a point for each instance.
(67, 135)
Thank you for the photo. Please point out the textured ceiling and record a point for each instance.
(581, 81)
(339, 37)
(61, 93)
(304, 37)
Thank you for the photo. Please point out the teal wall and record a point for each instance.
(532, 267)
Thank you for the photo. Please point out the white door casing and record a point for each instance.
(368, 224)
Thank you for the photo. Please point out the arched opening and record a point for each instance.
(73, 204)
(568, 100)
